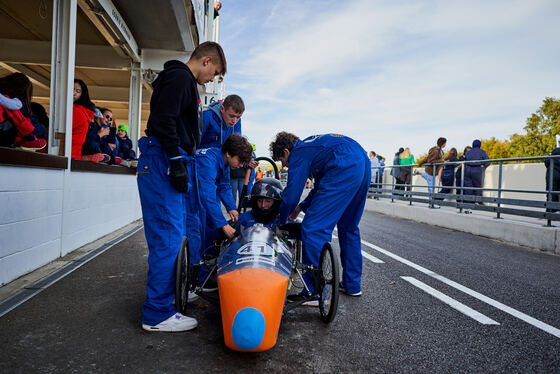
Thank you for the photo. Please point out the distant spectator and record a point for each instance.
(396, 171)
(473, 171)
(406, 158)
(374, 163)
(259, 174)
(381, 160)
(448, 173)
(125, 150)
(435, 155)
(18, 87)
(82, 115)
(458, 173)
(236, 179)
(555, 176)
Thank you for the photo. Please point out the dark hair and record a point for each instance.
(401, 150)
(84, 100)
(237, 145)
(441, 141)
(40, 112)
(235, 102)
(214, 50)
(451, 155)
(284, 140)
(17, 85)
(379, 157)
(467, 148)
(105, 110)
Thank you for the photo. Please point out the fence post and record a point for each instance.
(549, 189)
(393, 192)
(462, 185)
(433, 185)
(410, 185)
(499, 189)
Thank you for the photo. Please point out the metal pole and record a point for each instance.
(499, 188)
(410, 185)
(393, 189)
(433, 184)
(462, 185)
(549, 194)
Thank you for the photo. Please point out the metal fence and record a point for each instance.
(472, 198)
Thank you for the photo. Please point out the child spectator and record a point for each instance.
(82, 115)
(266, 196)
(125, 150)
(18, 86)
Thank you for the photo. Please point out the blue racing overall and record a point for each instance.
(166, 213)
(342, 173)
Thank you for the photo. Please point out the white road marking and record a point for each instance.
(496, 304)
(451, 302)
(368, 256)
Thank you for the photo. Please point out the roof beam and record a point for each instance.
(93, 13)
(110, 23)
(37, 79)
(101, 93)
(35, 52)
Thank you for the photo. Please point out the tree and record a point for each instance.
(496, 148)
(541, 128)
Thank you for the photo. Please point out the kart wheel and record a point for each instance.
(182, 286)
(330, 277)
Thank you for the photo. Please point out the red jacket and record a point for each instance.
(22, 124)
(81, 118)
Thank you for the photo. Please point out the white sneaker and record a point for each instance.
(175, 323)
(192, 297)
(311, 303)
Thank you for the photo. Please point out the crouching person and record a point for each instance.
(335, 200)
(213, 166)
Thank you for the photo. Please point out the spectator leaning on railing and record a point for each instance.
(435, 155)
(82, 115)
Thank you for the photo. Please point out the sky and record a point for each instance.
(390, 74)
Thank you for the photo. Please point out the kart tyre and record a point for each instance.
(182, 286)
(330, 277)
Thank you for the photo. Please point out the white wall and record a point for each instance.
(40, 222)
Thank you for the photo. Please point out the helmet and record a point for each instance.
(270, 188)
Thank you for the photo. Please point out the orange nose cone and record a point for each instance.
(251, 301)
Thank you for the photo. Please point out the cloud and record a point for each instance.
(392, 74)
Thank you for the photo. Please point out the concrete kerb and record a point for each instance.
(513, 232)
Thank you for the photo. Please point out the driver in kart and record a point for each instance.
(266, 196)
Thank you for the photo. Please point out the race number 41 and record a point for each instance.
(256, 249)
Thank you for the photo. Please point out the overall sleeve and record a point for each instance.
(297, 176)
(224, 190)
(206, 175)
(305, 204)
(166, 109)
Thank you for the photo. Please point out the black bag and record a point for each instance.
(8, 134)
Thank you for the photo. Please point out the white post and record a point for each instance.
(62, 87)
(62, 74)
(135, 104)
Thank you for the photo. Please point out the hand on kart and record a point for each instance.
(295, 213)
(234, 214)
(228, 231)
(253, 164)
